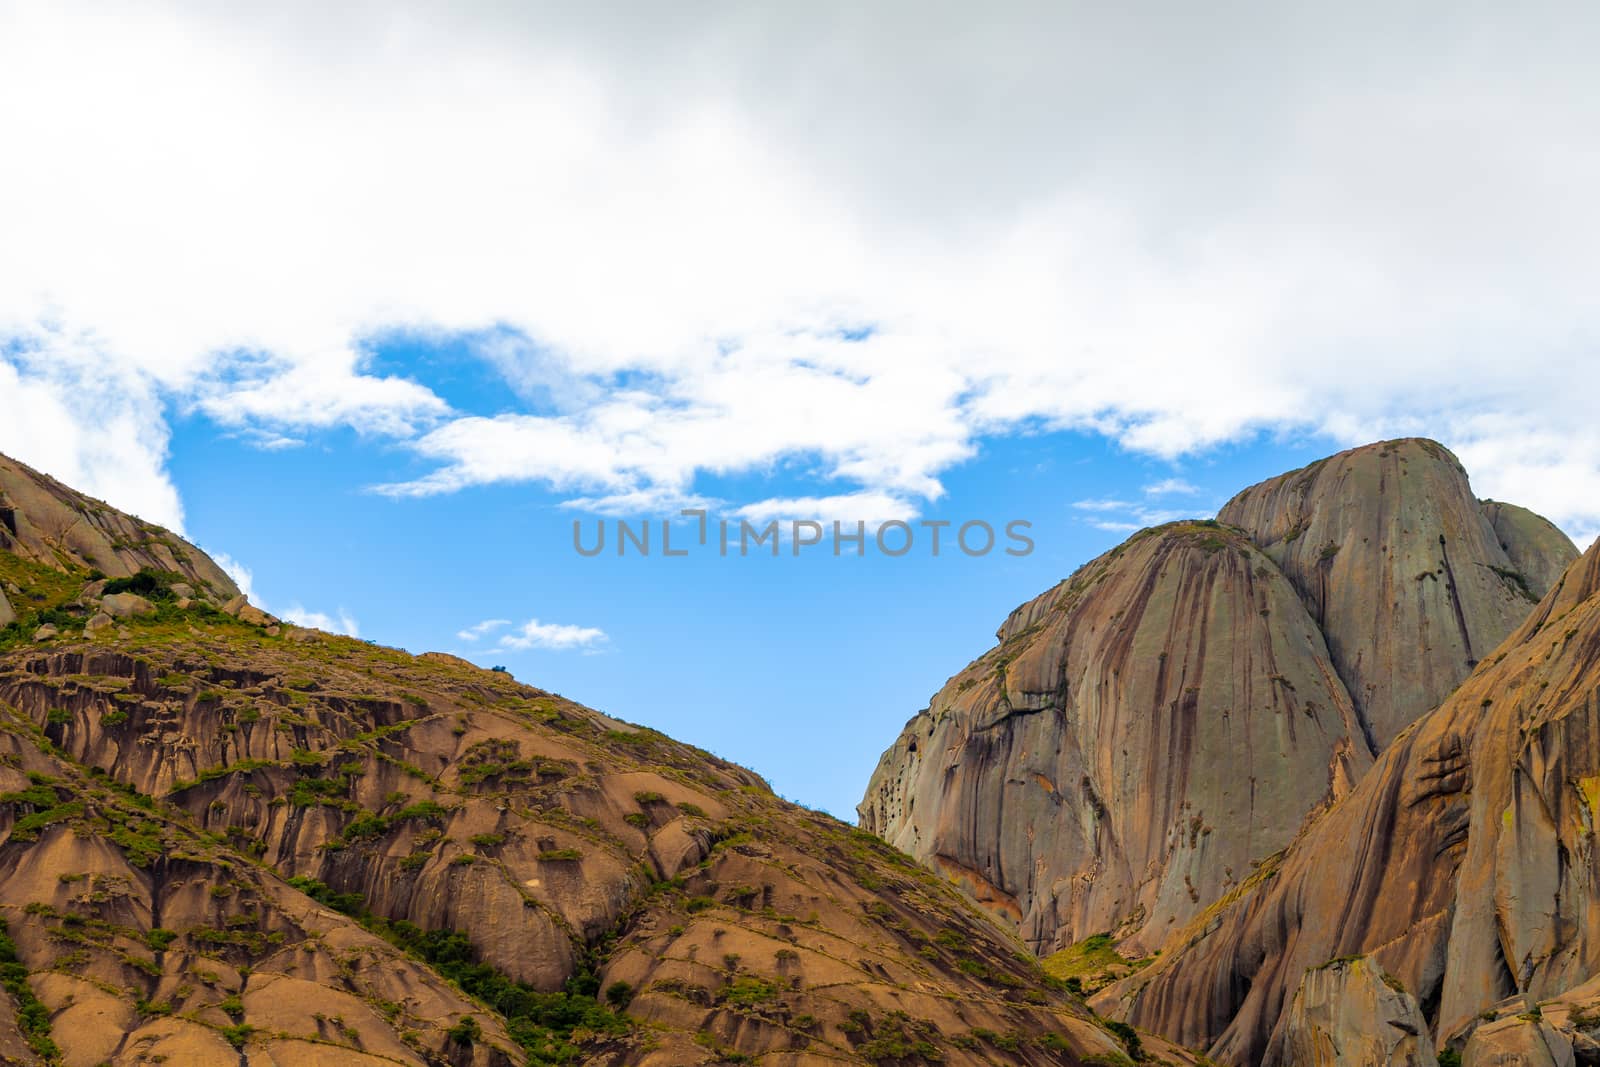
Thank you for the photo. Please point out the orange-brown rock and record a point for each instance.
(47, 522)
(1463, 864)
(272, 845)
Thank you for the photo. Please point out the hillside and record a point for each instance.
(225, 839)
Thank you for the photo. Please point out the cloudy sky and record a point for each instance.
(849, 260)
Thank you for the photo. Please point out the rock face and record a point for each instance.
(1537, 550)
(46, 522)
(1142, 732)
(1348, 1013)
(1564, 1032)
(1148, 731)
(1402, 568)
(7, 615)
(1463, 863)
(222, 843)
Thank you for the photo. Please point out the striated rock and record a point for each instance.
(1463, 863)
(1141, 734)
(46, 522)
(1401, 568)
(1538, 551)
(1348, 1013)
(1149, 731)
(123, 605)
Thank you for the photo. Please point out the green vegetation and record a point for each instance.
(1090, 964)
(1129, 1037)
(547, 1025)
(33, 1019)
(152, 584)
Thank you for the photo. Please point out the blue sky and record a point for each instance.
(802, 668)
(375, 297)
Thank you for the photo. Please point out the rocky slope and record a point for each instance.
(1149, 730)
(1463, 864)
(47, 522)
(226, 840)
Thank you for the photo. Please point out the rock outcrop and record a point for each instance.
(46, 522)
(1349, 1013)
(1150, 730)
(1140, 735)
(1463, 864)
(1402, 568)
(222, 842)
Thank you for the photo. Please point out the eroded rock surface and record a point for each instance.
(1349, 1013)
(1140, 735)
(1402, 568)
(1150, 730)
(1463, 863)
(46, 522)
(227, 842)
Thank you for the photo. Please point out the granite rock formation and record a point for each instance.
(1150, 730)
(1463, 864)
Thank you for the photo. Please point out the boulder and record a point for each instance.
(126, 605)
(7, 615)
(255, 616)
(99, 621)
(1349, 1013)
(1520, 1041)
(46, 632)
(234, 605)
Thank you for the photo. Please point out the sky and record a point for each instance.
(376, 300)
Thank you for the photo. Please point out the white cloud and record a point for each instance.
(708, 241)
(1105, 504)
(477, 630)
(342, 624)
(1172, 487)
(553, 636)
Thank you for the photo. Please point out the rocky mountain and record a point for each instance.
(1462, 867)
(1151, 729)
(227, 840)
